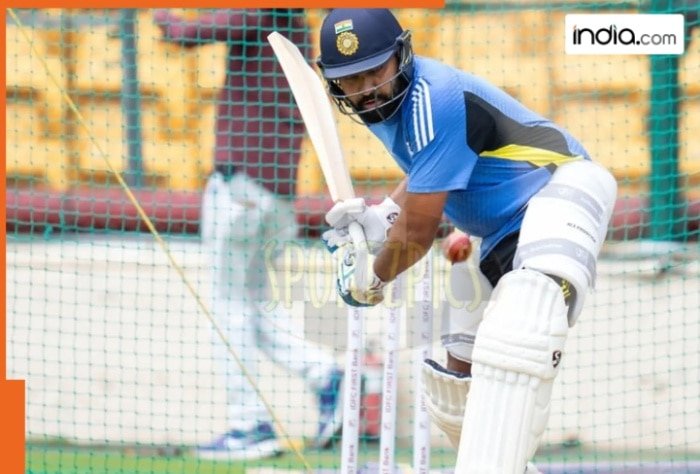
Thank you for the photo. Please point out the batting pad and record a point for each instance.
(565, 225)
(446, 395)
(516, 357)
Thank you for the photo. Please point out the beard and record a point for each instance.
(377, 113)
(388, 104)
(381, 106)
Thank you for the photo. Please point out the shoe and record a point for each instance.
(531, 469)
(330, 404)
(258, 443)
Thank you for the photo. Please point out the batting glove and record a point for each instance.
(375, 220)
(335, 238)
(350, 277)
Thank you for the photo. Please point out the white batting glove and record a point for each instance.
(335, 238)
(350, 276)
(375, 220)
(344, 212)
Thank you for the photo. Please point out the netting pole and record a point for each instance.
(664, 194)
(131, 98)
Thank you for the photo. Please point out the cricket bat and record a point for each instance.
(316, 111)
(310, 95)
(315, 107)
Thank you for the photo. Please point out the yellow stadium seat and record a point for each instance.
(613, 132)
(602, 76)
(424, 25)
(689, 121)
(690, 67)
(596, 75)
(104, 135)
(30, 74)
(211, 63)
(314, 19)
(603, 100)
(165, 71)
(34, 113)
(205, 136)
(174, 160)
(365, 155)
(527, 79)
(51, 32)
(506, 48)
(466, 36)
(369, 163)
(28, 153)
(309, 174)
(689, 126)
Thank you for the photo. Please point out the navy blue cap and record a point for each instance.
(356, 40)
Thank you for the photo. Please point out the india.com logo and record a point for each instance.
(624, 33)
(623, 36)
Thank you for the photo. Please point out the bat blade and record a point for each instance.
(309, 93)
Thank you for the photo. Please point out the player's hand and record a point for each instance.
(335, 238)
(375, 220)
(350, 277)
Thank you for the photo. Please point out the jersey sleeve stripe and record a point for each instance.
(416, 127)
(422, 115)
(429, 111)
(420, 105)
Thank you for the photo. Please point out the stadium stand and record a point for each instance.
(613, 130)
(35, 112)
(689, 74)
(171, 162)
(179, 87)
(503, 47)
(166, 83)
(210, 69)
(205, 136)
(165, 71)
(689, 153)
(604, 101)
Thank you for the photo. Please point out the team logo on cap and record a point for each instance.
(347, 43)
(345, 25)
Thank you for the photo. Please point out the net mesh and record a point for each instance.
(127, 317)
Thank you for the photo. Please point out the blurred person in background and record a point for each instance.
(248, 203)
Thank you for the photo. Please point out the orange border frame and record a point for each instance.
(241, 3)
(12, 451)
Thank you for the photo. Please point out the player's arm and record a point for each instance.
(412, 234)
(221, 25)
(440, 163)
(399, 194)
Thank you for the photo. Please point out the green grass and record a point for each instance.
(71, 459)
(58, 458)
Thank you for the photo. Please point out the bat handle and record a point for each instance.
(361, 253)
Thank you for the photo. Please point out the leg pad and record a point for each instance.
(516, 357)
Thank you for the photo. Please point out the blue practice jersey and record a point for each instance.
(458, 133)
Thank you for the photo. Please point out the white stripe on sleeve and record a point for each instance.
(422, 115)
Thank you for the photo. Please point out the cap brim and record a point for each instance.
(358, 67)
